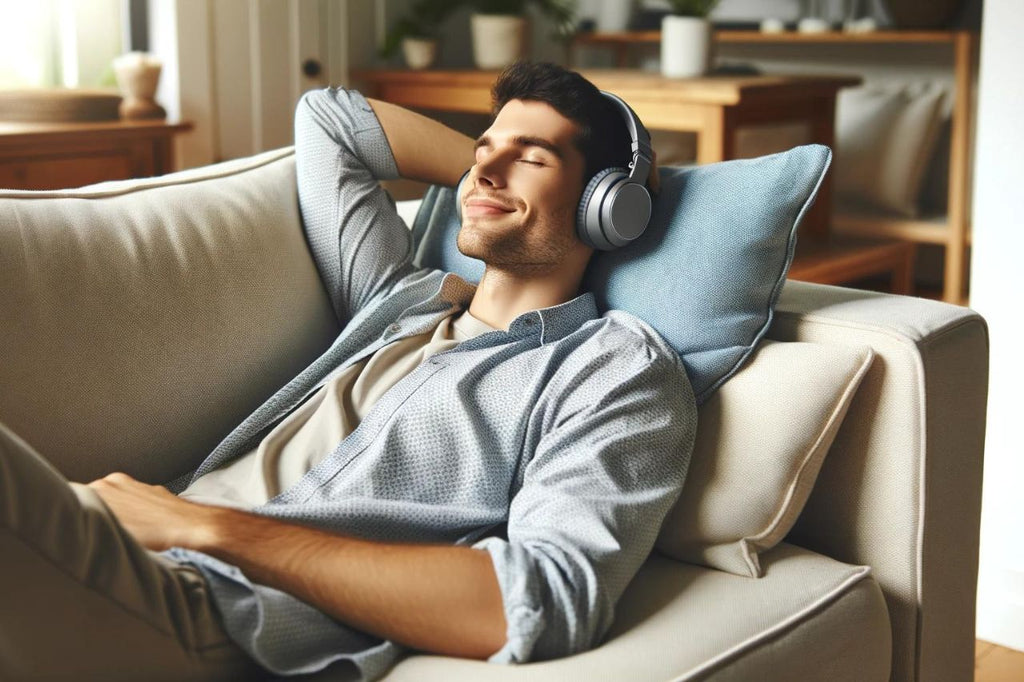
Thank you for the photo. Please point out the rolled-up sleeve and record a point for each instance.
(360, 245)
(605, 473)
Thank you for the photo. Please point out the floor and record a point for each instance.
(993, 663)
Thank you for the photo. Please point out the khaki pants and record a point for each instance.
(80, 599)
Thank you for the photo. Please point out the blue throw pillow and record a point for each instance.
(707, 272)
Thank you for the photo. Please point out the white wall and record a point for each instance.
(997, 292)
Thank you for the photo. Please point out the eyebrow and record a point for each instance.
(525, 141)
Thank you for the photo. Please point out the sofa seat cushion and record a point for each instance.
(809, 617)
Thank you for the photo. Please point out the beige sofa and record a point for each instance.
(165, 310)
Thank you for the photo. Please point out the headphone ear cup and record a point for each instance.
(588, 215)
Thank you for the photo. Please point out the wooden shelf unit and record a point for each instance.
(951, 231)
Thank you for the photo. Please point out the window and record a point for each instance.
(51, 43)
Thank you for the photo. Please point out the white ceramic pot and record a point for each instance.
(685, 46)
(419, 53)
(138, 76)
(613, 15)
(498, 40)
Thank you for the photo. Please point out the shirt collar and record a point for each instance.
(556, 322)
(550, 324)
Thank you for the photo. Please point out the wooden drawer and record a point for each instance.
(39, 156)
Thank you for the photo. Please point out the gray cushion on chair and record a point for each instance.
(708, 270)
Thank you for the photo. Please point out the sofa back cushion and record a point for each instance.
(708, 270)
(144, 319)
(761, 441)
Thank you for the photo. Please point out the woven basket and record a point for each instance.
(58, 105)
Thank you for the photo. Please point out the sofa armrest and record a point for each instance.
(901, 487)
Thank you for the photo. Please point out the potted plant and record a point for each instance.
(416, 32)
(499, 28)
(686, 38)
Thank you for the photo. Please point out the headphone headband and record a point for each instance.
(640, 140)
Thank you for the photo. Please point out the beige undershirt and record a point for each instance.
(314, 430)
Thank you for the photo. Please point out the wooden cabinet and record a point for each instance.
(952, 231)
(39, 156)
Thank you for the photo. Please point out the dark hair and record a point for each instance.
(603, 136)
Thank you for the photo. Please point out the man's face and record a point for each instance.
(519, 200)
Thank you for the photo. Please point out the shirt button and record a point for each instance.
(394, 328)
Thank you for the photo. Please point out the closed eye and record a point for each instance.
(530, 162)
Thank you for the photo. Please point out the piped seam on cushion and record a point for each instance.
(890, 332)
(752, 545)
(923, 345)
(779, 283)
(816, 606)
(919, 447)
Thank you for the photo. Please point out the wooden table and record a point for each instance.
(712, 107)
(39, 156)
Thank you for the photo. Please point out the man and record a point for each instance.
(472, 471)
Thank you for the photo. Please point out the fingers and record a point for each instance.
(117, 479)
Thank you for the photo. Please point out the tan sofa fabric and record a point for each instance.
(728, 617)
(149, 321)
(151, 317)
(900, 490)
(760, 444)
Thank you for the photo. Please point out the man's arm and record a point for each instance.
(424, 149)
(593, 497)
(435, 598)
(361, 247)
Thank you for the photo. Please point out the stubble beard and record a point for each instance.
(509, 248)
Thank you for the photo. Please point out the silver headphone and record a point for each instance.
(615, 206)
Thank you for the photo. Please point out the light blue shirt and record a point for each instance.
(557, 446)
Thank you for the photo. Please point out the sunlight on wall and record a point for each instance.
(47, 43)
(27, 54)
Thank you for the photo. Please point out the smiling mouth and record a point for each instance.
(480, 206)
(484, 210)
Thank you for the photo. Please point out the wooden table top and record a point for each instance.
(724, 90)
(17, 131)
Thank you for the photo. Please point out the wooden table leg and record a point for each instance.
(821, 119)
(716, 140)
(903, 272)
(953, 290)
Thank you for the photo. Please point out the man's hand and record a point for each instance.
(436, 598)
(153, 515)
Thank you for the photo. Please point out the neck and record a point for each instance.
(503, 296)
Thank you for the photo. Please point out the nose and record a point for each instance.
(490, 169)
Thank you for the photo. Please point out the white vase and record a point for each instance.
(498, 40)
(685, 46)
(419, 53)
(613, 15)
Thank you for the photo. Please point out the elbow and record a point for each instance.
(486, 634)
(490, 638)
(554, 603)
